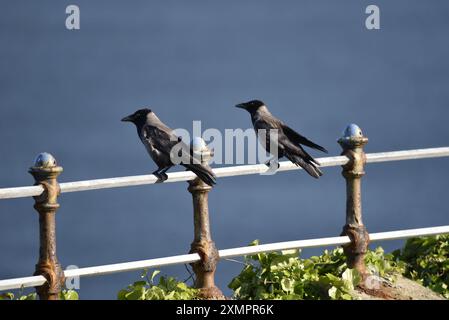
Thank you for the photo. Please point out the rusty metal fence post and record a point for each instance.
(203, 244)
(45, 172)
(352, 143)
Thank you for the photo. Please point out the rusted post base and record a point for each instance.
(205, 269)
(54, 274)
(356, 250)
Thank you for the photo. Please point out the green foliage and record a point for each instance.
(427, 262)
(168, 288)
(69, 295)
(286, 276)
(11, 296)
(384, 264)
(64, 295)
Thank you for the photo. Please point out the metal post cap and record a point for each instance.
(352, 130)
(352, 135)
(200, 150)
(198, 144)
(45, 160)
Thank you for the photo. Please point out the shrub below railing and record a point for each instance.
(63, 295)
(167, 288)
(286, 276)
(427, 262)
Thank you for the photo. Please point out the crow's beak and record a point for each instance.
(240, 105)
(127, 119)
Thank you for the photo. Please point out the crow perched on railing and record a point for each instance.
(288, 141)
(160, 142)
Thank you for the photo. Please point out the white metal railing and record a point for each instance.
(20, 192)
(224, 254)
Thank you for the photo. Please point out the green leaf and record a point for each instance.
(7, 296)
(138, 293)
(69, 295)
(154, 274)
(287, 284)
(122, 295)
(332, 292)
(31, 296)
(293, 252)
(351, 277)
(254, 243)
(346, 296)
(181, 286)
(140, 284)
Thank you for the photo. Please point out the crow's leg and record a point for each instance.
(163, 173)
(160, 174)
(273, 160)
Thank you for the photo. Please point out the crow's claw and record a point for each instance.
(268, 164)
(161, 176)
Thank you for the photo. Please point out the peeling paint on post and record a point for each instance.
(45, 172)
(203, 243)
(352, 143)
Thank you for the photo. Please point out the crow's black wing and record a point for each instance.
(172, 146)
(161, 140)
(265, 128)
(292, 150)
(283, 141)
(296, 138)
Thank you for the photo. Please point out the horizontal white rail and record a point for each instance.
(20, 192)
(226, 253)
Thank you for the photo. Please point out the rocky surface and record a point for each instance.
(400, 289)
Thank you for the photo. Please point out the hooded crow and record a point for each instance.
(288, 140)
(161, 143)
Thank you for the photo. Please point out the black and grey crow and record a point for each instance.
(159, 141)
(289, 141)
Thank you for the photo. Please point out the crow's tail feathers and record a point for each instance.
(310, 167)
(203, 173)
